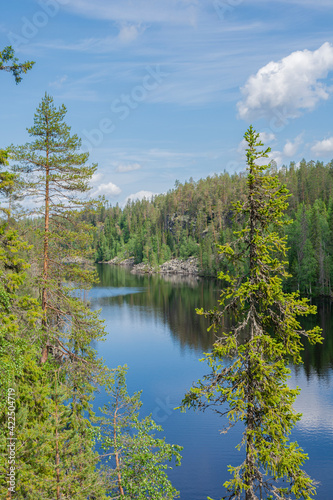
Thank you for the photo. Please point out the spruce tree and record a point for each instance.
(249, 363)
(20, 316)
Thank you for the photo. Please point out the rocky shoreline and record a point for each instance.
(185, 267)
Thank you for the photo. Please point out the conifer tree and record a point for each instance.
(20, 316)
(8, 62)
(57, 175)
(249, 364)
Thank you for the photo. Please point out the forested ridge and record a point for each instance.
(53, 444)
(195, 216)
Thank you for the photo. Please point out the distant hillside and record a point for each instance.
(193, 217)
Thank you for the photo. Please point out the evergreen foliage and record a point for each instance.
(249, 372)
(43, 308)
(56, 175)
(194, 217)
(10, 63)
(47, 328)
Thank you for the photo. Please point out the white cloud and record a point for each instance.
(91, 45)
(275, 156)
(290, 85)
(201, 72)
(291, 147)
(324, 147)
(140, 195)
(128, 168)
(242, 147)
(108, 189)
(267, 137)
(96, 178)
(128, 33)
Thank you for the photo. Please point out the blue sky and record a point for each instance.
(164, 90)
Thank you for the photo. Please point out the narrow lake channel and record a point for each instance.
(153, 329)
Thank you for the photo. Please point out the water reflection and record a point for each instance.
(152, 326)
(315, 402)
(319, 358)
(173, 299)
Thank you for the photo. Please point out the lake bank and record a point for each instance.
(186, 267)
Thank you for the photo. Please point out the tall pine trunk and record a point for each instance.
(46, 255)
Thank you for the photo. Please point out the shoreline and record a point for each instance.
(185, 267)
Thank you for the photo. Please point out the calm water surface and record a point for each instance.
(153, 329)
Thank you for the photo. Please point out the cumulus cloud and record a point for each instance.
(291, 147)
(96, 178)
(128, 33)
(324, 147)
(140, 195)
(290, 86)
(273, 156)
(108, 189)
(267, 137)
(128, 168)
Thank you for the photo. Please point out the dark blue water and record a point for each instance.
(153, 329)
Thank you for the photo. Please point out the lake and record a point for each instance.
(153, 329)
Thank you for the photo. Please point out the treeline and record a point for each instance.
(195, 217)
(52, 443)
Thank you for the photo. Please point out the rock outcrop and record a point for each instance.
(178, 266)
(187, 267)
(121, 262)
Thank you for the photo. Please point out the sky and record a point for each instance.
(164, 90)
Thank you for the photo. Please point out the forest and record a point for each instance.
(53, 443)
(195, 217)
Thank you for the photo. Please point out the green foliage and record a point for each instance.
(249, 372)
(195, 217)
(60, 460)
(53, 169)
(138, 459)
(7, 55)
(19, 314)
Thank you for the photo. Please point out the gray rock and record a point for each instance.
(178, 266)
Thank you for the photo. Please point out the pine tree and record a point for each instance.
(8, 62)
(56, 175)
(249, 364)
